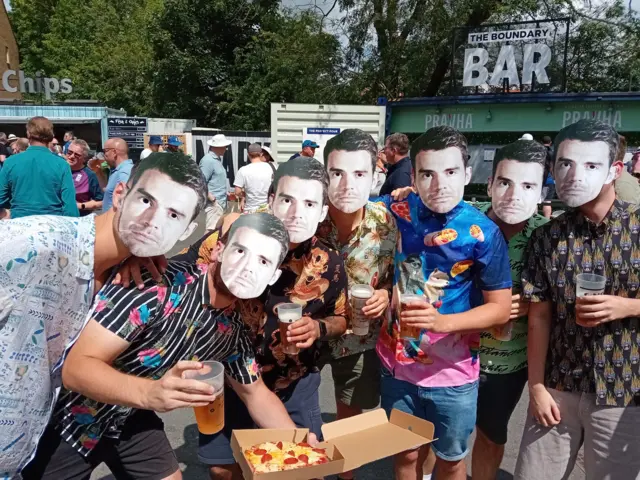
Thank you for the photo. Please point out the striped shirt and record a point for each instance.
(163, 323)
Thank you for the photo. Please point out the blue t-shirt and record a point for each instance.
(119, 174)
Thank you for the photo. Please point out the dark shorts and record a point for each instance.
(143, 452)
(497, 398)
(303, 406)
(549, 193)
(356, 379)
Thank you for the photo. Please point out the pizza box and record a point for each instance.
(350, 443)
(242, 440)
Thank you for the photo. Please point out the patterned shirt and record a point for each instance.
(605, 359)
(313, 276)
(164, 323)
(510, 356)
(368, 259)
(46, 288)
(449, 259)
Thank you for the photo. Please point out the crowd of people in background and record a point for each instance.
(469, 301)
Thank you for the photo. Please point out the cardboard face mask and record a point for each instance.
(298, 203)
(249, 262)
(516, 190)
(581, 170)
(351, 179)
(154, 213)
(440, 177)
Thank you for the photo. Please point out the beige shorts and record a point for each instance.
(214, 213)
(610, 436)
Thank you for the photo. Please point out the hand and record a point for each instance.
(173, 391)
(312, 439)
(303, 332)
(543, 407)
(131, 269)
(519, 308)
(593, 310)
(400, 194)
(421, 314)
(377, 304)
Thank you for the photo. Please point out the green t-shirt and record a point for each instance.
(498, 356)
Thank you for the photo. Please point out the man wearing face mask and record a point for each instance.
(129, 360)
(516, 189)
(51, 267)
(455, 260)
(313, 276)
(365, 233)
(583, 352)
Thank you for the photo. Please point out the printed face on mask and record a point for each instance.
(298, 204)
(581, 170)
(516, 190)
(350, 179)
(440, 177)
(155, 214)
(249, 263)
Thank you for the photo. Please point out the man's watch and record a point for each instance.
(82, 206)
(323, 331)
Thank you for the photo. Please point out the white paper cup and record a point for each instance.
(359, 322)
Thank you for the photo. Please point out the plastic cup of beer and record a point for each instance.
(288, 313)
(589, 284)
(409, 332)
(359, 322)
(210, 418)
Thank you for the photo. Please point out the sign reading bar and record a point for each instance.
(130, 129)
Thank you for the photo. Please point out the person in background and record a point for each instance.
(549, 190)
(88, 192)
(396, 151)
(583, 351)
(54, 146)
(20, 145)
(173, 144)
(5, 150)
(116, 154)
(155, 141)
(308, 150)
(68, 137)
(266, 154)
(380, 174)
(37, 182)
(515, 188)
(627, 187)
(216, 177)
(252, 181)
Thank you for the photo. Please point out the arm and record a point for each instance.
(90, 205)
(264, 406)
(239, 192)
(68, 195)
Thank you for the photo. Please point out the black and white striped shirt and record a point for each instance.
(163, 323)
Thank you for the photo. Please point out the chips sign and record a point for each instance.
(512, 57)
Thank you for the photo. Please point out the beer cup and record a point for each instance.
(589, 284)
(288, 313)
(210, 418)
(409, 332)
(359, 295)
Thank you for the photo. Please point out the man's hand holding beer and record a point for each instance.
(304, 332)
(420, 314)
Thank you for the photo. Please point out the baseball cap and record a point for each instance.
(526, 136)
(310, 143)
(155, 140)
(254, 148)
(174, 141)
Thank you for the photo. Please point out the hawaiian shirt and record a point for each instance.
(163, 323)
(497, 356)
(447, 258)
(46, 288)
(368, 259)
(313, 276)
(605, 359)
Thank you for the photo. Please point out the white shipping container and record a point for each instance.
(292, 123)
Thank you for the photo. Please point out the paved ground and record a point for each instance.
(183, 434)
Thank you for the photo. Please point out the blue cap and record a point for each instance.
(310, 143)
(173, 141)
(155, 140)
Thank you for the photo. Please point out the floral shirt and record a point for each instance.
(604, 360)
(313, 276)
(46, 288)
(449, 259)
(368, 259)
(497, 356)
(163, 324)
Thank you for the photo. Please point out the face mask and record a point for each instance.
(516, 190)
(350, 179)
(440, 177)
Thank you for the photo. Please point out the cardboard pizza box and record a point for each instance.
(242, 440)
(372, 436)
(350, 443)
